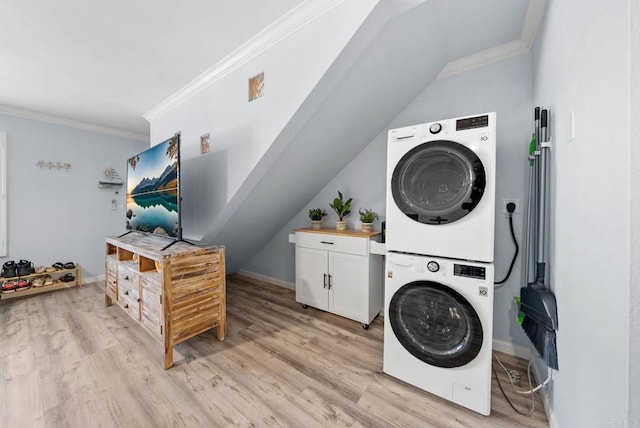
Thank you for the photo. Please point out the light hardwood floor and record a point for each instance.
(67, 361)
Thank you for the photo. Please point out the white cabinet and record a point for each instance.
(335, 272)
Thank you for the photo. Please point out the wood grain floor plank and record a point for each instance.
(66, 360)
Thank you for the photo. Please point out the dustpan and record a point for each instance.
(537, 301)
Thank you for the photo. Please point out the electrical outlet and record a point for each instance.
(507, 201)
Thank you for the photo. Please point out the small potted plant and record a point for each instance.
(367, 217)
(342, 209)
(316, 214)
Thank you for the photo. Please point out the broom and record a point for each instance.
(537, 302)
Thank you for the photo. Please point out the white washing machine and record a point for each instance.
(441, 188)
(438, 327)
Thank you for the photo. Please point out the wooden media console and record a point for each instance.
(174, 294)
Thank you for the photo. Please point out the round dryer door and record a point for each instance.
(435, 324)
(438, 182)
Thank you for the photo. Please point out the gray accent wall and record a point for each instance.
(270, 156)
(503, 87)
(56, 215)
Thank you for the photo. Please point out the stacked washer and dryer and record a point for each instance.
(438, 323)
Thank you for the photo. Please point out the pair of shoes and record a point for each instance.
(48, 280)
(67, 278)
(58, 266)
(49, 269)
(9, 269)
(40, 269)
(9, 286)
(25, 267)
(69, 265)
(38, 282)
(23, 284)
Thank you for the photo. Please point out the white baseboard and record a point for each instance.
(538, 372)
(90, 279)
(511, 349)
(274, 281)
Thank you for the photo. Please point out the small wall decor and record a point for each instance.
(111, 179)
(204, 144)
(256, 86)
(51, 165)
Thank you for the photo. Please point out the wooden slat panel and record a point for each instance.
(197, 307)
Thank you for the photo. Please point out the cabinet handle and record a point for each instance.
(325, 280)
(329, 282)
(326, 242)
(126, 292)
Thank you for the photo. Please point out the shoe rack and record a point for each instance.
(57, 282)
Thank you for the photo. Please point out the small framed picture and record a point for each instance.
(204, 144)
(256, 86)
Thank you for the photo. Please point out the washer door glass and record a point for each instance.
(438, 182)
(435, 324)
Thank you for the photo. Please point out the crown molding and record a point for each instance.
(485, 57)
(57, 120)
(292, 21)
(532, 20)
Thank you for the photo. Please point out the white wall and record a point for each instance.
(504, 87)
(57, 215)
(634, 138)
(581, 65)
(242, 131)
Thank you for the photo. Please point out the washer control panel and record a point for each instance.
(469, 271)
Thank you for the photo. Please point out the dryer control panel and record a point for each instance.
(472, 122)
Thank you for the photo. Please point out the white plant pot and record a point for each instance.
(316, 224)
(367, 227)
(341, 225)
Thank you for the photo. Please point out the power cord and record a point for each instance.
(514, 377)
(511, 207)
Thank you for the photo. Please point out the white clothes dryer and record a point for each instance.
(441, 188)
(438, 327)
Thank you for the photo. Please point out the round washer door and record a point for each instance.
(438, 182)
(436, 324)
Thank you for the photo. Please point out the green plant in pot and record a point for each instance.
(342, 209)
(367, 217)
(316, 214)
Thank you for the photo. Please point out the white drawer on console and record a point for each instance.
(337, 243)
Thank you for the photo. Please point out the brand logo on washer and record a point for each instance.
(483, 291)
(389, 274)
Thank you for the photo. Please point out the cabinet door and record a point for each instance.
(111, 275)
(311, 272)
(348, 295)
(151, 315)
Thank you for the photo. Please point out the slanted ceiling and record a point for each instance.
(384, 66)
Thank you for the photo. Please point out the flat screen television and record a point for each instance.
(153, 190)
